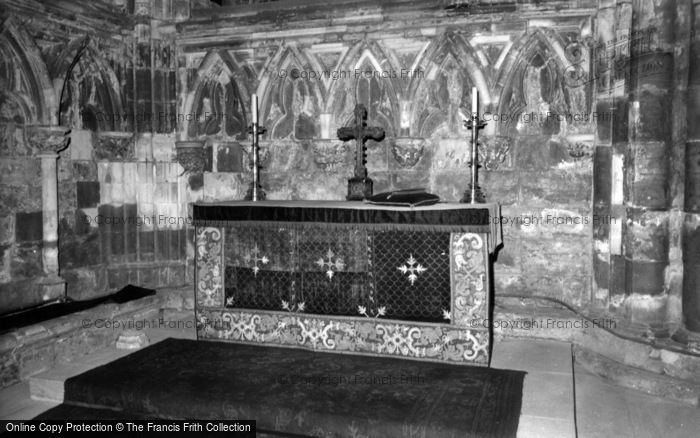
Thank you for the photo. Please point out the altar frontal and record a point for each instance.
(348, 277)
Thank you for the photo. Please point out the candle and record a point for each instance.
(475, 101)
(254, 108)
(405, 114)
(326, 125)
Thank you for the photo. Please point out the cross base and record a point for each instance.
(467, 196)
(249, 194)
(359, 188)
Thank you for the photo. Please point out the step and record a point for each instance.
(49, 385)
(658, 385)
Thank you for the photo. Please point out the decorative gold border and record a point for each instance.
(209, 267)
(371, 336)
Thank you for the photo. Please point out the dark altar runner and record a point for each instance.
(347, 277)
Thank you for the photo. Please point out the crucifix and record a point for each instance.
(360, 186)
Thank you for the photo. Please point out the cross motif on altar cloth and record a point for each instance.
(254, 259)
(338, 263)
(413, 269)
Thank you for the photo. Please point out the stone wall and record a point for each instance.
(21, 217)
(584, 146)
(127, 224)
(413, 67)
(99, 70)
(581, 148)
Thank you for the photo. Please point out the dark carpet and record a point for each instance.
(298, 391)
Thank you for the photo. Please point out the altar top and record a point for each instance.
(355, 205)
(441, 217)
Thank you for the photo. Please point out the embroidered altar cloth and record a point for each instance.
(348, 276)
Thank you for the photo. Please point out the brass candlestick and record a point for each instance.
(255, 190)
(474, 195)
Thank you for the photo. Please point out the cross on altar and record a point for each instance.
(360, 186)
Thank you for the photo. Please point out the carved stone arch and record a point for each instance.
(216, 102)
(34, 80)
(380, 89)
(61, 65)
(60, 61)
(293, 99)
(445, 90)
(392, 63)
(244, 78)
(15, 107)
(537, 55)
(91, 94)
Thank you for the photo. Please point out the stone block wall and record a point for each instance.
(131, 94)
(105, 70)
(21, 222)
(585, 144)
(124, 221)
(415, 75)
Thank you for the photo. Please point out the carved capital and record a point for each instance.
(329, 155)
(190, 155)
(580, 147)
(114, 145)
(408, 151)
(45, 139)
(495, 152)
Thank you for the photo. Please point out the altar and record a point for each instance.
(348, 277)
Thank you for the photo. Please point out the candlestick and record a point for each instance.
(256, 168)
(474, 194)
(475, 152)
(255, 191)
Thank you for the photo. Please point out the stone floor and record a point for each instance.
(607, 410)
(560, 399)
(548, 394)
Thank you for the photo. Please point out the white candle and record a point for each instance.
(326, 125)
(254, 108)
(475, 101)
(405, 114)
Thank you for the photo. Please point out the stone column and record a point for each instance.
(49, 202)
(603, 80)
(46, 142)
(691, 223)
(647, 164)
